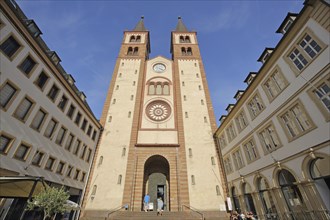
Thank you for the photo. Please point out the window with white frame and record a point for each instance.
(296, 121)
(60, 135)
(255, 106)
(22, 152)
(304, 51)
(275, 84)
(27, 65)
(7, 93)
(269, 139)
(231, 133)
(69, 142)
(323, 94)
(10, 46)
(238, 159)
(5, 143)
(37, 159)
(251, 151)
(38, 120)
(241, 121)
(23, 109)
(228, 165)
(222, 141)
(50, 128)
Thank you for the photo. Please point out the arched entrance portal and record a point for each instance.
(156, 180)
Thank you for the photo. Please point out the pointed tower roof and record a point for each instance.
(140, 26)
(180, 27)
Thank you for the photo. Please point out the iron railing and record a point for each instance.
(193, 209)
(116, 210)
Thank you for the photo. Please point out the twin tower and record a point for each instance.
(158, 125)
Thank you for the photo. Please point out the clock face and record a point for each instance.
(159, 68)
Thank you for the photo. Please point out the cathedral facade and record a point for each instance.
(158, 130)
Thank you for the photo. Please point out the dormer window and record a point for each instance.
(33, 28)
(238, 94)
(250, 77)
(54, 57)
(286, 24)
(229, 108)
(265, 54)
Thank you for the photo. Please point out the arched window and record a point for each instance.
(202, 102)
(182, 83)
(123, 152)
(184, 98)
(114, 101)
(248, 197)
(110, 119)
(129, 114)
(181, 39)
(200, 87)
(166, 89)
(133, 83)
(182, 72)
(138, 39)
(193, 180)
(94, 190)
(132, 39)
(119, 75)
(190, 152)
(266, 197)
(197, 75)
(136, 51)
(212, 161)
(151, 90)
(183, 51)
(158, 89)
(117, 87)
(290, 190)
(187, 39)
(130, 51)
(100, 161)
(205, 120)
(132, 97)
(186, 114)
(235, 199)
(119, 179)
(217, 188)
(319, 168)
(189, 51)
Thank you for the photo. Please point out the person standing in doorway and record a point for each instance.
(160, 205)
(146, 201)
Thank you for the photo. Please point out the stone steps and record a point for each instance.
(186, 215)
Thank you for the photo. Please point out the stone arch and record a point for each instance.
(156, 178)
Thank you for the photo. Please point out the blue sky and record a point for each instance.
(231, 34)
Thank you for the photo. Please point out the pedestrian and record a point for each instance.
(160, 205)
(146, 201)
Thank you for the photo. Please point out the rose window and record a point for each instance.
(158, 110)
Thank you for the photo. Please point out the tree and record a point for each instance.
(51, 201)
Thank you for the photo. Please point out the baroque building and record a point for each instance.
(274, 140)
(158, 131)
(47, 128)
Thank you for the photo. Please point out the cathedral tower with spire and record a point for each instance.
(158, 130)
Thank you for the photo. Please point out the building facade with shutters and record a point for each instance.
(158, 131)
(274, 140)
(47, 127)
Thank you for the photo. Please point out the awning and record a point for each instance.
(21, 186)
